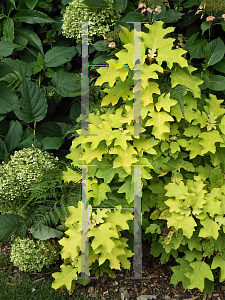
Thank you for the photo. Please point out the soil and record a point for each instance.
(157, 286)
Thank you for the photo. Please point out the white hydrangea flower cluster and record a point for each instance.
(31, 256)
(23, 170)
(77, 11)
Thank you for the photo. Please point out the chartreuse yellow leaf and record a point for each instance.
(160, 122)
(128, 56)
(208, 141)
(165, 102)
(149, 71)
(72, 245)
(194, 147)
(192, 131)
(179, 272)
(119, 218)
(98, 215)
(144, 143)
(65, 277)
(218, 262)
(71, 175)
(200, 271)
(102, 237)
(155, 38)
(210, 229)
(98, 192)
(181, 76)
(109, 74)
(124, 157)
(127, 188)
(147, 93)
(126, 36)
(166, 53)
(121, 89)
(121, 138)
(90, 154)
(222, 125)
(214, 106)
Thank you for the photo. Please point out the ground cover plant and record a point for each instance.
(182, 109)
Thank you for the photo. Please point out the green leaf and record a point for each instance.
(3, 152)
(18, 65)
(32, 38)
(220, 66)
(14, 135)
(214, 52)
(200, 271)
(218, 262)
(31, 3)
(32, 106)
(9, 225)
(217, 83)
(51, 143)
(66, 83)
(6, 48)
(134, 17)
(100, 46)
(32, 17)
(46, 129)
(179, 272)
(197, 50)
(206, 25)
(13, 3)
(169, 16)
(120, 5)
(7, 99)
(44, 233)
(65, 277)
(58, 56)
(8, 30)
(96, 3)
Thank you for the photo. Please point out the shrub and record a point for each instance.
(24, 169)
(31, 256)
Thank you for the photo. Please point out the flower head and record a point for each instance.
(112, 45)
(210, 18)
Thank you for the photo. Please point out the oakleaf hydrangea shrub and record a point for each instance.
(77, 12)
(23, 170)
(31, 256)
(181, 151)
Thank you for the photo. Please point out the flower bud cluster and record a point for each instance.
(102, 19)
(23, 170)
(31, 256)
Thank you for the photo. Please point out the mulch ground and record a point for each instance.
(157, 286)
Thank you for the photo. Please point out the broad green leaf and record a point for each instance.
(120, 5)
(7, 99)
(29, 141)
(169, 16)
(58, 56)
(180, 76)
(44, 233)
(3, 152)
(10, 224)
(46, 129)
(18, 65)
(96, 3)
(218, 262)
(32, 17)
(66, 83)
(32, 38)
(210, 229)
(206, 25)
(31, 3)
(14, 135)
(8, 30)
(6, 48)
(200, 271)
(133, 17)
(51, 143)
(214, 52)
(165, 102)
(198, 48)
(32, 106)
(217, 83)
(220, 66)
